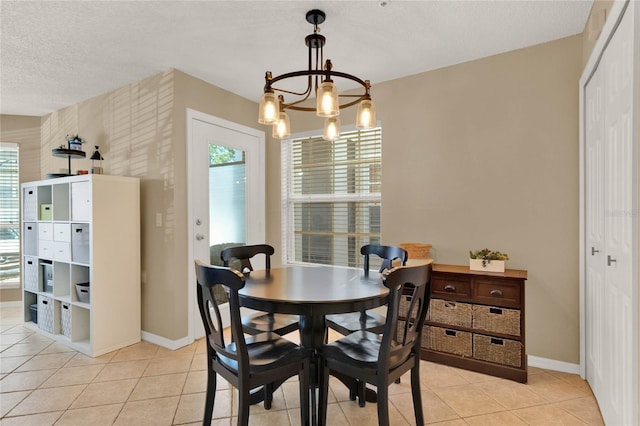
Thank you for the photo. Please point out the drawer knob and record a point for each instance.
(449, 287)
(496, 292)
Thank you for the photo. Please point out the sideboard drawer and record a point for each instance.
(495, 293)
(450, 288)
(449, 312)
(476, 321)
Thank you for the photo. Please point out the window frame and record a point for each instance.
(289, 199)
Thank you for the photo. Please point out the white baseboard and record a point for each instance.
(164, 342)
(533, 361)
(552, 364)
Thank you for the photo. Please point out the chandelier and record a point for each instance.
(320, 75)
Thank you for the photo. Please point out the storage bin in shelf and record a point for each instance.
(65, 319)
(33, 310)
(31, 273)
(48, 315)
(30, 238)
(47, 276)
(46, 211)
(30, 204)
(80, 243)
(83, 292)
(80, 274)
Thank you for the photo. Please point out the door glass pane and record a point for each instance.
(227, 203)
(227, 195)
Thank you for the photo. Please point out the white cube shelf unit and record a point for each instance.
(83, 230)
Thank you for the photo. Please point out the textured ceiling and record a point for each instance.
(56, 53)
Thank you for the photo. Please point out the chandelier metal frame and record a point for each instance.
(320, 75)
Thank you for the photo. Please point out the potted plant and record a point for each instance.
(75, 142)
(487, 260)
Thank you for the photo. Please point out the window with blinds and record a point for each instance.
(331, 197)
(9, 213)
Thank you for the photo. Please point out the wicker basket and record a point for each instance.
(400, 326)
(497, 320)
(448, 312)
(445, 340)
(405, 302)
(501, 351)
(417, 250)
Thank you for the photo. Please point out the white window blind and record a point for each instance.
(331, 197)
(9, 214)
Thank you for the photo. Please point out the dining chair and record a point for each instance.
(381, 359)
(367, 320)
(259, 322)
(249, 363)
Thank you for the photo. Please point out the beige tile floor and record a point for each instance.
(45, 383)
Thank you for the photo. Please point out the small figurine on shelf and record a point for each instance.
(96, 156)
(75, 142)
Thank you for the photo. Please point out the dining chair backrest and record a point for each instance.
(387, 253)
(244, 255)
(208, 277)
(397, 347)
(255, 365)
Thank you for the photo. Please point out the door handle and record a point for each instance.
(594, 251)
(199, 237)
(610, 260)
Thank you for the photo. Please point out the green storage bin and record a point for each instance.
(46, 212)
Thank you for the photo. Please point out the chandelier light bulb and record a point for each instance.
(328, 103)
(269, 108)
(331, 129)
(366, 115)
(281, 128)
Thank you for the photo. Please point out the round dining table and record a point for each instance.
(312, 292)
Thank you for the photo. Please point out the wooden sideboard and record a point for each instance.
(476, 321)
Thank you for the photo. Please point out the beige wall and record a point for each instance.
(25, 131)
(485, 154)
(479, 154)
(141, 132)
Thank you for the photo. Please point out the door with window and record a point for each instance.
(226, 193)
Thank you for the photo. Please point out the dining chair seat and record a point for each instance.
(264, 322)
(353, 321)
(361, 349)
(266, 350)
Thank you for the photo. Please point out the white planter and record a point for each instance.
(76, 145)
(490, 266)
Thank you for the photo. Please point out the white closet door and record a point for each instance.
(596, 336)
(609, 177)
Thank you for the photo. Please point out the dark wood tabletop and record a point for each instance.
(312, 290)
